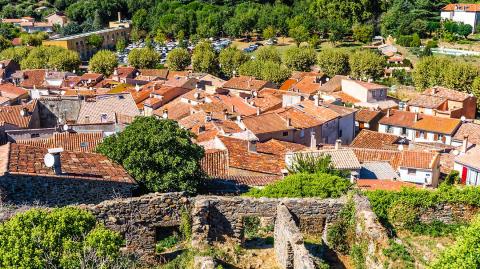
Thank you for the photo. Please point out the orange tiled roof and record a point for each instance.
(387, 185)
(446, 93)
(299, 119)
(266, 123)
(215, 163)
(245, 83)
(346, 98)
(161, 73)
(12, 115)
(471, 129)
(333, 85)
(252, 180)
(34, 77)
(11, 91)
(405, 158)
(366, 115)
(375, 140)
(83, 142)
(460, 6)
(427, 101)
(288, 84)
(425, 122)
(28, 160)
(307, 85)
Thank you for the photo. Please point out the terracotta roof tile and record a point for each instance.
(375, 140)
(266, 123)
(161, 73)
(69, 141)
(424, 123)
(387, 185)
(12, 114)
(245, 83)
(11, 91)
(460, 6)
(471, 129)
(251, 180)
(446, 93)
(333, 85)
(34, 77)
(366, 115)
(215, 163)
(405, 158)
(471, 158)
(25, 159)
(427, 101)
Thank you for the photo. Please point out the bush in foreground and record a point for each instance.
(319, 185)
(61, 238)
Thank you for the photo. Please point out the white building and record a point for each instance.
(466, 13)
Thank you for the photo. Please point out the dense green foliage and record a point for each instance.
(103, 62)
(445, 71)
(143, 58)
(333, 62)
(341, 232)
(300, 59)
(204, 58)
(319, 185)
(465, 253)
(398, 252)
(230, 59)
(62, 238)
(95, 41)
(158, 154)
(305, 163)
(365, 64)
(401, 206)
(178, 59)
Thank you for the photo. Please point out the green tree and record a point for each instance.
(159, 154)
(333, 62)
(465, 252)
(104, 62)
(140, 22)
(365, 64)
(275, 72)
(15, 53)
(4, 43)
(475, 90)
(300, 59)
(59, 237)
(204, 58)
(269, 32)
(268, 53)
(416, 42)
(230, 59)
(121, 44)
(178, 59)
(143, 58)
(51, 57)
(464, 30)
(363, 32)
(95, 40)
(299, 34)
(9, 31)
(33, 39)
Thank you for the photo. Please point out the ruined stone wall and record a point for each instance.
(59, 191)
(139, 218)
(288, 243)
(448, 213)
(216, 218)
(368, 230)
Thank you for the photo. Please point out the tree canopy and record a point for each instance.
(143, 58)
(300, 59)
(178, 59)
(333, 62)
(103, 62)
(159, 154)
(204, 58)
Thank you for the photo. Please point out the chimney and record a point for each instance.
(233, 108)
(225, 114)
(24, 112)
(258, 111)
(165, 114)
(338, 143)
(208, 117)
(465, 144)
(57, 164)
(119, 16)
(201, 129)
(313, 140)
(289, 122)
(252, 146)
(433, 90)
(388, 112)
(416, 116)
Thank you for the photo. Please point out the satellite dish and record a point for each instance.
(463, 118)
(65, 127)
(49, 160)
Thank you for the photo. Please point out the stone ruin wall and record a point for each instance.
(216, 218)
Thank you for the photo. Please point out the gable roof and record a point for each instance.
(334, 84)
(343, 159)
(245, 83)
(462, 7)
(91, 110)
(70, 141)
(427, 101)
(375, 140)
(11, 91)
(447, 93)
(425, 122)
(471, 158)
(366, 115)
(471, 129)
(405, 158)
(12, 114)
(266, 123)
(28, 160)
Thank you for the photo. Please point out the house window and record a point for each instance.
(34, 135)
(84, 144)
(285, 133)
(302, 133)
(412, 171)
(404, 131)
(340, 133)
(389, 129)
(473, 177)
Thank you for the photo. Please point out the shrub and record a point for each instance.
(357, 254)
(185, 225)
(341, 232)
(465, 253)
(167, 243)
(319, 185)
(398, 252)
(305, 163)
(452, 178)
(402, 214)
(60, 237)
(251, 226)
(436, 228)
